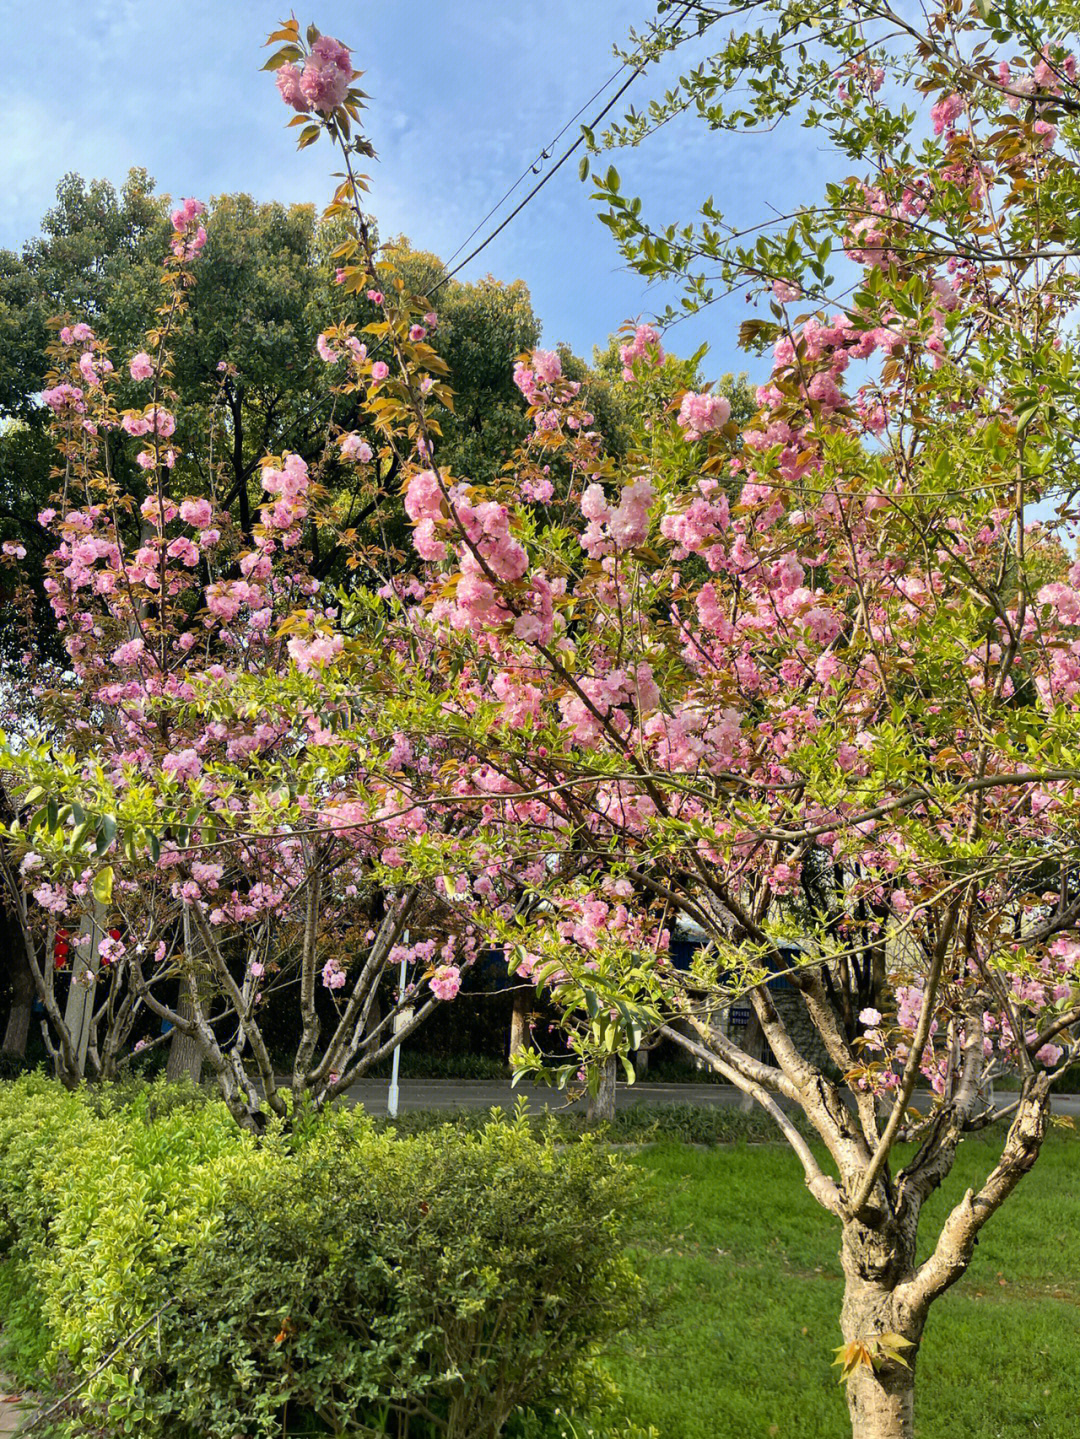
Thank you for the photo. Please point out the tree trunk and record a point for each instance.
(21, 979)
(185, 1052)
(602, 1105)
(882, 1403)
(881, 1400)
(79, 1009)
(519, 1022)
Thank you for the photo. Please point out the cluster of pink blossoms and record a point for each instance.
(604, 698)
(324, 81)
(546, 368)
(550, 397)
(80, 334)
(64, 397)
(893, 1043)
(644, 346)
(314, 654)
(860, 76)
(623, 526)
(290, 484)
(153, 420)
(491, 553)
(446, 981)
(94, 368)
(700, 413)
(333, 976)
(331, 353)
(946, 111)
(188, 237)
(354, 447)
(1048, 78)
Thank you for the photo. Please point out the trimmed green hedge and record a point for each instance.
(329, 1281)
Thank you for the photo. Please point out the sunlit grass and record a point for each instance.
(744, 1271)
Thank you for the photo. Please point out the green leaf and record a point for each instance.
(106, 834)
(103, 885)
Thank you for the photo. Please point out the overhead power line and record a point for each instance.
(533, 168)
(637, 70)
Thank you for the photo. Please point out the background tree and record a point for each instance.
(199, 819)
(245, 363)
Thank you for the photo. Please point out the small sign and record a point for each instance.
(403, 1018)
(738, 1018)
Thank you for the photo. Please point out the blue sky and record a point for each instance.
(464, 94)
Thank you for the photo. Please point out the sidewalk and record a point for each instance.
(15, 1410)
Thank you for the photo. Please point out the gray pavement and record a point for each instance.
(484, 1093)
(16, 1411)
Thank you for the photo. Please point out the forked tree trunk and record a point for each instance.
(881, 1400)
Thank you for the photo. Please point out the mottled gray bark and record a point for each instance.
(185, 1051)
(602, 1104)
(519, 1022)
(881, 1397)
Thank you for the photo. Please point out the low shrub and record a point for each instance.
(332, 1280)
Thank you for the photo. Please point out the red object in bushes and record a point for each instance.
(61, 948)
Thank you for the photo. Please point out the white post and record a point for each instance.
(392, 1097)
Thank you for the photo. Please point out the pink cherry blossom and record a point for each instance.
(287, 80)
(196, 512)
(446, 981)
(355, 447)
(701, 413)
(183, 764)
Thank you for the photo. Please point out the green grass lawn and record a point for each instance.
(745, 1275)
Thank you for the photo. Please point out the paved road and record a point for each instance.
(484, 1093)
(16, 1411)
